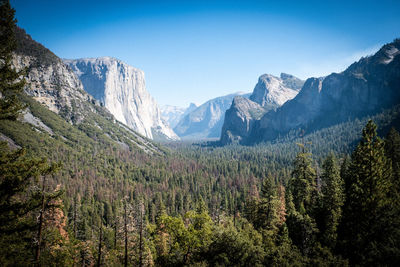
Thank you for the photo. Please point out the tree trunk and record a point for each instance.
(99, 254)
(40, 226)
(126, 236)
(141, 236)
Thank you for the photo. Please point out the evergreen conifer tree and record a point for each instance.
(11, 86)
(267, 216)
(302, 183)
(332, 200)
(367, 228)
(392, 150)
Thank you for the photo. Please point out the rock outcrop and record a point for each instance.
(121, 89)
(53, 84)
(49, 80)
(239, 119)
(269, 93)
(272, 92)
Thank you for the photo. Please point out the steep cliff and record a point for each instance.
(364, 88)
(49, 80)
(272, 92)
(239, 120)
(121, 89)
(67, 111)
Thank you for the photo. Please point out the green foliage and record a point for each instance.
(392, 151)
(267, 211)
(332, 201)
(11, 85)
(303, 182)
(20, 201)
(369, 231)
(232, 246)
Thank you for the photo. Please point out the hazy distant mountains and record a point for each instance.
(121, 89)
(206, 120)
(365, 88)
(173, 114)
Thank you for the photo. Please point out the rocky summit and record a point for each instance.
(269, 93)
(272, 92)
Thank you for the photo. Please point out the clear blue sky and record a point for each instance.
(192, 51)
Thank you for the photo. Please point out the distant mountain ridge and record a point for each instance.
(173, 114)
(121, 89)
(365, 88)
(206, 120)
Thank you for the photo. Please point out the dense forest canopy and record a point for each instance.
(78, 198)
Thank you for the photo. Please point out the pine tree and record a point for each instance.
(267, 212)
(19, 200)
(392, 150)
(332, 200)
(252, 204)
(11, 86)
(367, 230)
(302, 185)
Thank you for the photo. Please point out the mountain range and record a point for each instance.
(365, 88)
(206, 120)
(173, 114)
(77, 89)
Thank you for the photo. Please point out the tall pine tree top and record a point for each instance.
(367, 224)
(302, 185)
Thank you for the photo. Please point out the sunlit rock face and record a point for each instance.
(49, 80)
(121, 89)
(274, 91)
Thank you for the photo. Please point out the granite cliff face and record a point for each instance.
(49, 80)
(364, 88)
(269, 93)
(240, 119)
(206, 120)
(121, 89)
(272, 92)
(53, 84)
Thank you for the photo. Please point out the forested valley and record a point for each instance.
(77, 197)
